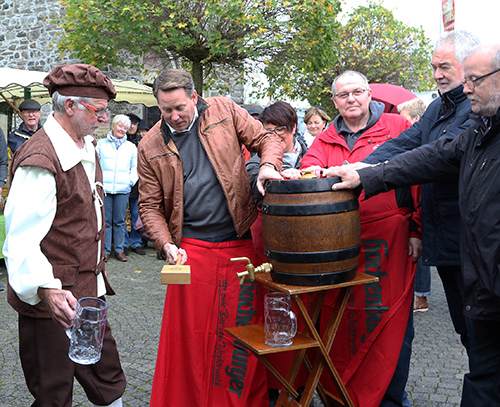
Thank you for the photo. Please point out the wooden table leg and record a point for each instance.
(323, 358)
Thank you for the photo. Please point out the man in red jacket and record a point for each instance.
(377, 327)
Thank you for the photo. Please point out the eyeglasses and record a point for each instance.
(100, 113)
(472, 82)
(279, 131)
(356, 93)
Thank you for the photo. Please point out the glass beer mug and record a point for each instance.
(87, 334)
(280, 323)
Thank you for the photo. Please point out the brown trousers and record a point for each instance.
(49, 373)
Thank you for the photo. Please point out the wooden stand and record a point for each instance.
(252, 336)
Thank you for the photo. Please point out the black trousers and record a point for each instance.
(49, 373)
(451, 277)
(482, 384)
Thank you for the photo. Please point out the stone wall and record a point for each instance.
(27, 34)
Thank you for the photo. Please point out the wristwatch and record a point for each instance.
(269, 165)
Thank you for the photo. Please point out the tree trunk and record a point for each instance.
(197, 73)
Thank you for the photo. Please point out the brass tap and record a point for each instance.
(251, 269)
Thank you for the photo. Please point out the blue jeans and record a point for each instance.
(115, 211)
(422, 280)
(482, 383)
(396, 395)
(134, 239)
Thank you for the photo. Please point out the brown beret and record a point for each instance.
(79, 80)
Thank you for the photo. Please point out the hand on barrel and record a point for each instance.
(266, 172)
(291, 173)
(346, 172)
(348, 175)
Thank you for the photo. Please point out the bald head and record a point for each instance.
(482, 79)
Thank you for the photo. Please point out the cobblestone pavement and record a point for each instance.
(437, 366)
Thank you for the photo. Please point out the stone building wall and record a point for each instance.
(26, 34)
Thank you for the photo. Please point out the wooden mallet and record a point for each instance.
(175, 273)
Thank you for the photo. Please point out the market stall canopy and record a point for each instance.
(14, 81)
(390, 95)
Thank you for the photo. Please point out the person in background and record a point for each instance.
(3, 173)
(3, 162)
(413, 110)
(446, 116)
(377, 328)
(134, 239)
(30, 112)
(472, 157)
(142, 129)
(118, 158)
(196, 204)
(316, 121)
(53, 250)
(254, 111)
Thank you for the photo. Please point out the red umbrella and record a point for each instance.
(390, 95)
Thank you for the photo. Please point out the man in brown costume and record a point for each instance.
(55, 235)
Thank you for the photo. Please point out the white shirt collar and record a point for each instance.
(67, 151)
(173, 131)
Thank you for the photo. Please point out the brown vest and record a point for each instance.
(71, 245)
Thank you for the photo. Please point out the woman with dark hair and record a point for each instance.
(280, 118)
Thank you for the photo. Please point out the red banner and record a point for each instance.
(448, 15)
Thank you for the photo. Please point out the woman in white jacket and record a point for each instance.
(118, 159)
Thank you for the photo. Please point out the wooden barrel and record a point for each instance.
(312, 235)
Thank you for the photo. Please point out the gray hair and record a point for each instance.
(349, 73)
(58, 101)
(171, 79)
(121, 118)
(415, 107)
(463, 41)
(495, 61)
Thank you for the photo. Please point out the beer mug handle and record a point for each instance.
(69, 331)
(293, 321)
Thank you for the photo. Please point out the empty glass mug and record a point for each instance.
(280, 323)
(87, 333)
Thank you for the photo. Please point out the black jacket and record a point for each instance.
(447, 116)
(19, 136)
(475, 157)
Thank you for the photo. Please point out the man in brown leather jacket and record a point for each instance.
(195, 202)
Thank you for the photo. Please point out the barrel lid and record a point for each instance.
(301, 186)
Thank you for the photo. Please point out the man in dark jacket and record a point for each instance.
(30, 112)
(473, 157)
(447, 116)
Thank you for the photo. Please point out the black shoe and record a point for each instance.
(158, 256)
(2, 287)
(139, 250)
(125, 250)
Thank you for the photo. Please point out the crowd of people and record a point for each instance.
(196, 181)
